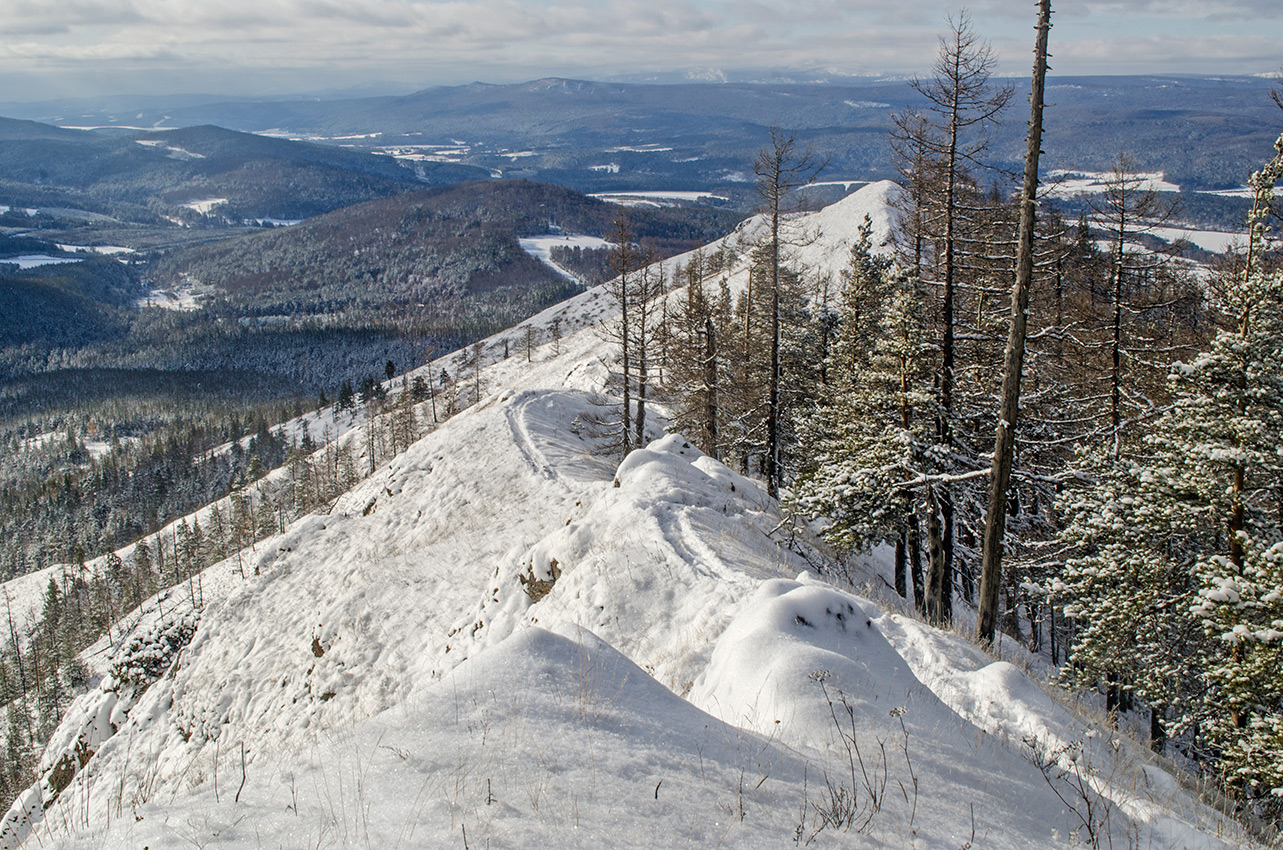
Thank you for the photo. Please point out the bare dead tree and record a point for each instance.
(1004, 440)
(1127, 207)
(948, 136)
(781, 167)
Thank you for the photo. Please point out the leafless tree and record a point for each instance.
(781, 167)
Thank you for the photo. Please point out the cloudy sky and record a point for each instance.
(91, 47)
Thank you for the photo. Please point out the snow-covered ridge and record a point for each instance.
(505, 637)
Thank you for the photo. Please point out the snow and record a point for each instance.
(31, 261)
(274, 222)
(427, 153)
(655, 198)
(106, 250)
(540, 247)
(182, 299)
(115, 127)
(1241, 192)
(1217, 241)
(204, 206)
(171, 151)
(1067, 184)
(652, 148)
(505, 637)
(100, 448)
(845, 184)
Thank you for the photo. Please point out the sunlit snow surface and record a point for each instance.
(204, 206)
(651, 198)
(506, 638)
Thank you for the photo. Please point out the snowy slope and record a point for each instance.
(506, 638)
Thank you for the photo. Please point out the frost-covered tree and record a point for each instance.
(1228, 420)
(1179, 564)
(1129, 587)
(871, 432)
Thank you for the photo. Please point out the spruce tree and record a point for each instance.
(1176, 586)
(871, 432)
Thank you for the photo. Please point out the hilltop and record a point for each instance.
(506, 637)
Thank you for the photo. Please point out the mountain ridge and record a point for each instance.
(503, 635)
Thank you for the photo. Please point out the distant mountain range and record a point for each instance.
(612, 136)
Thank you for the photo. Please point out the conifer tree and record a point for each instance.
(694, 374)
(870, 433)
(1227, 426)
(1177, 587)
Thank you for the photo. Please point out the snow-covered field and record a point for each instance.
(1067, 184)
(1209, 240)
(1217, 241)
(183, 299)
(205, 205)
(540, 247)
(1240, 192)
(31, 261)
(274, 222)
(106, 250)
(426, 153)
(171, 151)
(654, 198)
(652, 148)
(507, 638)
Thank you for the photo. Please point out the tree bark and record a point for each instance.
(710, 388)
(937, 584)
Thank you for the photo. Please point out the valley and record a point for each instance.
(576, 463)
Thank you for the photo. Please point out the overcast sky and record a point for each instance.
(91, 47)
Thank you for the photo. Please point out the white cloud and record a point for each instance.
(429, 41)
(1193, 9)
(1197, 54)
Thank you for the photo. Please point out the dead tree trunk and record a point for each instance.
(1004, 440)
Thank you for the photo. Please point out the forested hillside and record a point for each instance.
(414, 249)
(285, 319)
